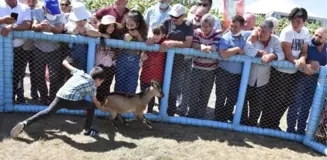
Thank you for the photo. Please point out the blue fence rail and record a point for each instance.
(6, 91)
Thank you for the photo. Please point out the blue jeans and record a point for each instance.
(299, 111)
(127, 73)
(79, 55)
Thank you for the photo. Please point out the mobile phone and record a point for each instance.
(14, 15)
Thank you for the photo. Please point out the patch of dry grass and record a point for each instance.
(59, 138)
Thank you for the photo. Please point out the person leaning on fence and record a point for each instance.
(128, 62)
(305, 88)
(294, 40)
(203, 72)
(180, 35)
(186, 88)
(71, 96)
(157, 14)
(8, 24)
(267, 47)
(78, 24)
(48, 19)
(154, 63)
(106, 56)
(28, 48)
(228, 75)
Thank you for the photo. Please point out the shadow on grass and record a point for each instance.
(50, 128)
(138, 130)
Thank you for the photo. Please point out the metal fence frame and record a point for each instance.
(7, 105)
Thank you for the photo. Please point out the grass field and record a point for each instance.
(59, 138)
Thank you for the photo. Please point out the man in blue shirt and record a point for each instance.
(228, 75)
(317, 55)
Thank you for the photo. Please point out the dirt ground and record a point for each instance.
(59, 138)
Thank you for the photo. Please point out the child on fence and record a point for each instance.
(71, 96)
(105, 56)
(128, 61)
(154, 63)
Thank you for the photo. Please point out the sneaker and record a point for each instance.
(91, 132)
(17, 130)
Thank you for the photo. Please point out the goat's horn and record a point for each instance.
(155, 82)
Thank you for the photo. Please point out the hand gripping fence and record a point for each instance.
(308, 139)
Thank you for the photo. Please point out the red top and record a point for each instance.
(154, 66)
(111, 10)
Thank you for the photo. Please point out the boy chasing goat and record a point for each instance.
(71, 96)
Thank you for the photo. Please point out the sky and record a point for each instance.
(317, 7)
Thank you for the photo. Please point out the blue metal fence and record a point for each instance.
(6, 91)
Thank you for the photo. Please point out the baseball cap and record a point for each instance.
(177, 10)
(52, 6)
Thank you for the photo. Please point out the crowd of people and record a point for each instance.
(271, 90)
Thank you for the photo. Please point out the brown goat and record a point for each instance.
(119, 103)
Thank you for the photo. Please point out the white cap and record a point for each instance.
(177, 10)
(79, 12)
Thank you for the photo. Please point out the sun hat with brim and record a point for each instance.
(109, 19)
(52, 6)
(79, 12)
(177, 10)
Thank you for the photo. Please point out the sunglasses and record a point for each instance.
(202, 4)
(64, 4)
(173, 17)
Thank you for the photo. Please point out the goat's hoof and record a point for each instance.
(127, 124)
(149, 126)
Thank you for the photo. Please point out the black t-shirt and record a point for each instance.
(179, 32)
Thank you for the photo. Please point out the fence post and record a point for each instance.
(8, 73)
(242, 93)
(1, 77)
(90, 59)
(166, 83)
(317, 105)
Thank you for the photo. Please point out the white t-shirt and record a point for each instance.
(24, 14)
(297, 40)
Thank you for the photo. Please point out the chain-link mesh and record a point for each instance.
(281, 102)
(321, 132)
(38, 71)
(195, 84)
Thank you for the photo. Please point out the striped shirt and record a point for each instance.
(78, 86)
(213, 40)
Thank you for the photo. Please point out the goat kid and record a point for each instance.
(119, 103)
